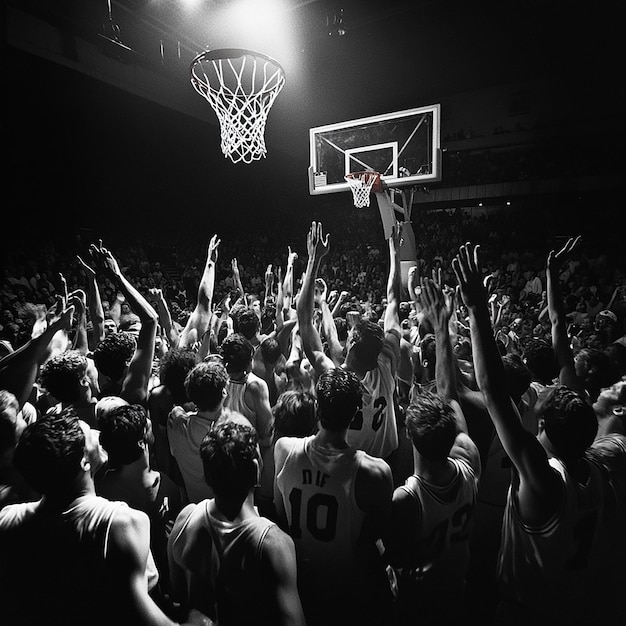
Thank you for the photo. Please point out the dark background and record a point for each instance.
(83, 153)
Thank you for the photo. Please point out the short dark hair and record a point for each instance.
(295, 413)
(237, 352)
(431, 425)
(61, 375)
(113, 353)
(174, 366)
(49, 452)
(270, 350)
(122, 430)
(205, 383)
(540, 360)
(247, 323)
(228, 452)
(570, 422)
(368, 340)
(339, 397)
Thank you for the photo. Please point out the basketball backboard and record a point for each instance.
(404, 147)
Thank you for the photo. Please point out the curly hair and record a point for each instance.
(113, 354)
(50, 451)
(228, 453)
(174, 366)
(122, 431)
(62, 375)
(237, 352)
(339, 397)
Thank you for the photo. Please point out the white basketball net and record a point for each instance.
(361, 184)
(241, 91)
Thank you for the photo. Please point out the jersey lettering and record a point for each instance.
(320, 515)
(380, 404)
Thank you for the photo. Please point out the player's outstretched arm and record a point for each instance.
(317, 246)
(556, 312)
(391, 320)
(538, 483)
(200, 317)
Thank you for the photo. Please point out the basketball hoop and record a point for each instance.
(241, 86)
(362, 184)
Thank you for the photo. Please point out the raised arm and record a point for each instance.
(135, 385)
(391, 320)
(96, 310)
(538, 483)
(241, 294)
(329, 329)
(198, 322)
(165, 317)
(317, 246)
(556, 312)
(19, 369)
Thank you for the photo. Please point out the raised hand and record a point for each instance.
(317, 245)
(269, 276)
(557, 259)
(437, 306)
(86, 268)
(413, 284)
(213, 246)
(291, 256)
(466, 267)
(104, 260)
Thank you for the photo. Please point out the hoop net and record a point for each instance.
(361, 184)
(240, 86)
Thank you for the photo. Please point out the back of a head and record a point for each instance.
(229, 451)
(540, 359)
(428, 349)
(367, 337)
(270, 351)
(122, 431)
(247, 323)
(61, 376)
(568, 420)
(295, 414)
(518, 376)
(431, 425)
(237, 352)
(175, 364)
(114, 353)
(205, 385)
(339, 396)
(595, 368)
(50, 451)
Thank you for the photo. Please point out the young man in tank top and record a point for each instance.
(73, 556)
(225, 559)
(335, 502)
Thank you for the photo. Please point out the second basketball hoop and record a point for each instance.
(362, 185)
(241, 86)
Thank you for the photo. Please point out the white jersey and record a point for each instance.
(53, 564)
(317, 487)
(560, 572)
(374, 428)
(437, 550)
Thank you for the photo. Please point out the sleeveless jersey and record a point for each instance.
(374, 428)
(227, 556)
(335, 572)
(53, 565)
(557, 572)
(437, 552)
(236, 400)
